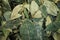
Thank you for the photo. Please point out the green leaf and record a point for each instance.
(37, 19)
(51, 27)
(12, 23)
(57, 24)
(26, 13)
(26, 30)
(44, 11)
(32, 30)
(38, 2)
(7, 15)
(6, 33)
(6, 5)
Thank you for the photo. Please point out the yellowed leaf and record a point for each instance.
(56, 36)
(51, 7)
(34, 7)
(37, 14)
(27, 6)
(48, 20)
(56, 1)
(15, 11)
(58, 30)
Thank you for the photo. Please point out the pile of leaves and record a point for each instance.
(29, 19)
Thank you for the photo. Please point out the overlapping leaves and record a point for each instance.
(30, 17)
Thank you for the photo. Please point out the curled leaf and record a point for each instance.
(15, 11)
